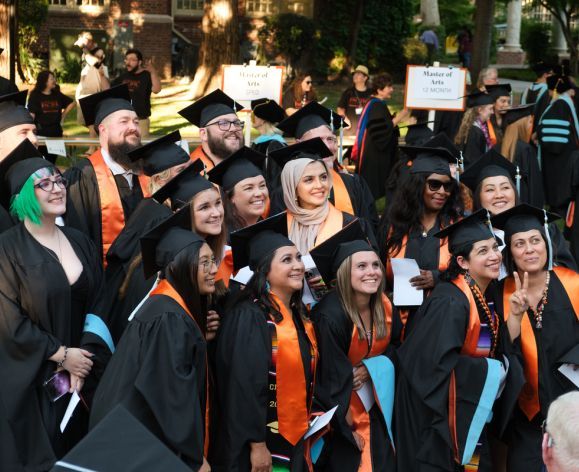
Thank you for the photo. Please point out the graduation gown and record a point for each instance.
(41, 311)
(538, 94)
(6, 220)
(271, 170)
(341, 350)
(475, 146)
(248, 353)
(447, 122)
(158, 374)
(532, 184)
(447, 383)
(542, 351)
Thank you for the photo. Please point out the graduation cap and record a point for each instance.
(120, 443)
(475, 227)
(162, 243)
(160, 154)
(418, 133)
(329, 255)
(429, 160)
(96, 107)
(251, 244)
(560, 83)
(268, 110)
(184, 186)
(525, 217)
(510, 115)
(312, 116)
(499, 90)
(13, 111)
(312, 148)
(491, 164)
(212, 105)
(540, 68)
(441, 140)
(242, 164)
(478, 99)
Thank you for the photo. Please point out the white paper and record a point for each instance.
(404, 293)
(72, 404)
(55, 146)
(185, 145)
(366, 394)
(320, 422)
(568, 371)
(243, 275)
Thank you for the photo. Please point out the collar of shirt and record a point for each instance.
(116, 168)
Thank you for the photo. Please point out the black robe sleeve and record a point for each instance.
(563, 256)
(532, 181)
(475, 146)
(362, 199)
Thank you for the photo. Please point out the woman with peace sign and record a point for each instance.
(540, 304)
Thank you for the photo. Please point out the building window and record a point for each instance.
(81, 5)
(90, 3)
(260, 7)
(57, 2)
(189, 6)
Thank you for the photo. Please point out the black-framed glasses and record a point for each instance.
(434, 185)
(207, 264)
(48, 185)
(225, 125)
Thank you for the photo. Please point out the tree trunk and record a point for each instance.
(220, 45)
(354, 34)
(483, 33)
(429, 12)
(8, 41)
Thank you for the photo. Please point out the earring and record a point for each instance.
(267, 285)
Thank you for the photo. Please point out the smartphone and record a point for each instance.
(58, 385)
(320, 292)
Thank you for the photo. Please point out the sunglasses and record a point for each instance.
(434, 185)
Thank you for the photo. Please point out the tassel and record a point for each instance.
(549, 243)
(457, 173)
(489, 224)
(518, 182)
(341, 145)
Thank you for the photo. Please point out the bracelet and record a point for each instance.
(60, 364)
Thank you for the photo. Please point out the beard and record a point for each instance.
(119, 153)
(222, 148)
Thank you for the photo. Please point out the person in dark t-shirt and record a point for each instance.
(354, 99)
(142, 80)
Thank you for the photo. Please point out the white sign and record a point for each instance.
(55, 146)
(435, 88)
(249, 82)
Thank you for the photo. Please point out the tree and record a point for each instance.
(483, 33)
(429, 12)
(220, 44)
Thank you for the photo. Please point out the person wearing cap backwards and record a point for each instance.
(51, 300)
(266, 357)
(427, 201)
(158, 372)
(543, 301)
(354, 99)
(502, 101)
(356, 327)
(474, 135)
(558, 136)
(349, 193)
(105, 188)
(16, 124)
(220, 129)
(451, 366)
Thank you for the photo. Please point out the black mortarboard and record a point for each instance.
(490, 164)
(96, 107)
(268, 110)
(475, 227)
(559, 83)
(541, 68)
(499, 90)
(120, 443)
(478, 99)
(184, 186)
(441, 140)
(161, 244)
(312, 116)
(242, 164)
(510, 115)
(313, 148)
(13, 111)
(418, 133)
(429, 160)
(250, 245)
(212, 105)
(160, 154)
(329, 255)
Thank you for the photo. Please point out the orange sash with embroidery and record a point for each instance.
(529, 397)
(292, 403)
(112, 214)
(333, 223)
(342, 200)
(469, 346)
(198, 153)
(492, 134)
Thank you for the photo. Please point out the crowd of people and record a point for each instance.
(234, 309)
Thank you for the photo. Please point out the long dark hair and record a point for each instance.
(454, 270)
(257, 291)
(233, 219)
(403, 215)
(41, 81)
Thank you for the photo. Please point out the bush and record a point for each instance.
(70, 73)
(535, 40)
(415, 51)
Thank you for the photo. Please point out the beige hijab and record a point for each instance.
(306, 223)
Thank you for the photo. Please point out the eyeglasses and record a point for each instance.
(48, 185)
(208, 264)
(434, 185)
(225, 125)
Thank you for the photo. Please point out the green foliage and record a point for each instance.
(456, 14)
(31, 15)
(415, 51)
(535, 40)
(70, 73)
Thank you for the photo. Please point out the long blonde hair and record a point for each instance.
(347, 298)
(519, 130)
(465, 125)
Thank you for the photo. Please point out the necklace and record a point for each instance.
(538, 313)
(492, 322)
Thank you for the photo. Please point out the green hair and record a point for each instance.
(24, 205)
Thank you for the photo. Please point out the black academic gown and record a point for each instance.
(158, 375)
(334, 330)
(448, 122)
(572, 223)
(558, 336)
(243, 360)
(271, 170)
(83, 206)
(532, 182)
(563, 256)
(6, 220)
(38, 316)
(475, 146)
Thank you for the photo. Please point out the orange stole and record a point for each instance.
(198, 153)
(492, 133)
(112, 214)
(291, 391)
(225, 269)
(529, 397)
(165, 288)
(342, 200)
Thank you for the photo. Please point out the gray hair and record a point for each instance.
(563, 426)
